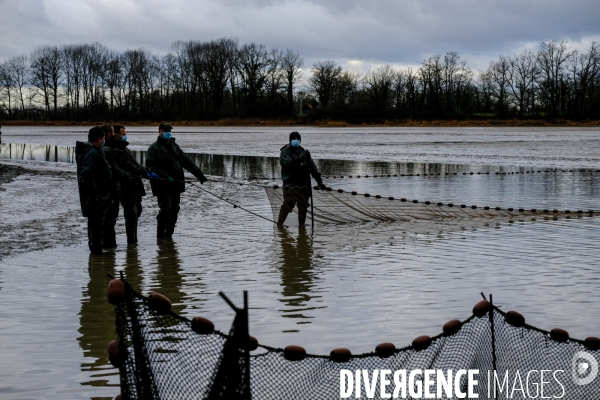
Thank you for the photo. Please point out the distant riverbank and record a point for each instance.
(324, 123)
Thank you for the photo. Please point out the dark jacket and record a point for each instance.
(294, 169)
(166, 158)
(94, 177)
(129, 170)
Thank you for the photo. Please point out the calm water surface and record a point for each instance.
(340, 286)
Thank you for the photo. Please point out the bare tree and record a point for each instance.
(378, 87)
(18, 70)
(552, 59)
(500, 76)
(323, 79)
(584, 70)
(252, 64)
(522, 82)
(7, 85)
(46, 75)
(291, 64)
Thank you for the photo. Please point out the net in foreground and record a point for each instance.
(161, 355)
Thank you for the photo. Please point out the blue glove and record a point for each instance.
(152, 175)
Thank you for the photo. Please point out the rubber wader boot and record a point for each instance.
(301, 217)
(96, 249)
(131, 229)
(160, 230)
(282, 216)
(109, 239)
(169, 230)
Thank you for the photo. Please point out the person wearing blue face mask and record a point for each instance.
(297, 167)
(166, 159)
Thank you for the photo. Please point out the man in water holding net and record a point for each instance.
(166, 159)
(297, 166)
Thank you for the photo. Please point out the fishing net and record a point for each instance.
(162, 355)
(339, 207)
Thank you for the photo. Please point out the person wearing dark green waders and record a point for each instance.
(110, 237)
(297, 166)
(131, 187)
(165, 158)
(94, 178)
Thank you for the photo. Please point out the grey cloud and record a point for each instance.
(384, 31)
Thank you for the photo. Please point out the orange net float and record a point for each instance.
(115, 353)
(481, 308)
(385, 350)
(202, 325)
(515, 319)
(252, 343)
(452, 327)
(421, 342)
(559, 335)
(159, 303)
(340, 355)
(115, 291)
(294, 353)
(592, 343)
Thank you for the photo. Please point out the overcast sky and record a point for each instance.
(359, 34)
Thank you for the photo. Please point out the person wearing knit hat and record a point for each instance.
(297, 166)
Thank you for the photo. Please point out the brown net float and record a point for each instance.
(160, 356)
(115, 291)
(340, 355)
(452, 327)
(159, 303)
(202, 326)
(294, 353)
(385, 350)
(422, 342)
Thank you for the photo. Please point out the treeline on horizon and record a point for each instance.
(222, 78)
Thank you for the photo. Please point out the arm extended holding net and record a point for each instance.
(312, 168)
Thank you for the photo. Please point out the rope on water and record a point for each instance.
(233, 204)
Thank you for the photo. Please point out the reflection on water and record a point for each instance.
(168, 278)
(243, 167)
(297, 272)
(97, 326)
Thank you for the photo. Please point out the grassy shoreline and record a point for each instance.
(329, 123)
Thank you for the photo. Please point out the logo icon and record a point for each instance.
(584, 368)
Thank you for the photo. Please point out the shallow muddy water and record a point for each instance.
(337, 286)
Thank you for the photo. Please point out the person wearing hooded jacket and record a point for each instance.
(297, 166)
(166, 159)
(94, 179)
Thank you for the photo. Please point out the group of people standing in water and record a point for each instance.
(109, 177)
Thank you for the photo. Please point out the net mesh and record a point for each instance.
(340, 207)
(164, 358)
